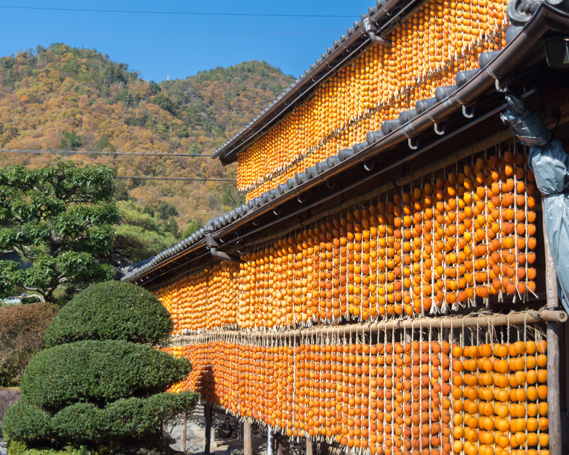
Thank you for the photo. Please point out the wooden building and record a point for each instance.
(387, 287)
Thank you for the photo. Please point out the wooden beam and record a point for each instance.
(445, 322)
(247, 442)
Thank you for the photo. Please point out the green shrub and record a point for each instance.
(112, 311)
(81, 423)
(99, 372)
(20, 448)
(22, 330)
(25, 422)
(136, 417)
(86, 424)
(96, 387)
(124, 419)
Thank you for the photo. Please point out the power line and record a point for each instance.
(126, 35)
(91, 152)
(185, 13)
(181, 179)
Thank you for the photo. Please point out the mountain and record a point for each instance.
(65, 98)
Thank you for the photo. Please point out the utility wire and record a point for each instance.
(123, 177)
(91, 152)
(185, 13)
(137, 35)
(180, 179)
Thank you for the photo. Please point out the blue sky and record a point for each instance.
(175, 45)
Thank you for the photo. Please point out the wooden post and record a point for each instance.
(269, 440)
(553, 379)
(308, 446)
(184, 430)
(207, 412)
(283, 446)
(247, 443)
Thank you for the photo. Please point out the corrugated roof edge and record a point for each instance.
(469, 85)
(333, 53)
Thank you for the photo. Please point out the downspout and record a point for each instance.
(213, 247)
(373, 36)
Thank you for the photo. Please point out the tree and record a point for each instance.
(60, 218)
(70, 140)
(98, 385)
(21, 336)
(141, 233)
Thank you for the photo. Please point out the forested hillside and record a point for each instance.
(63, 98)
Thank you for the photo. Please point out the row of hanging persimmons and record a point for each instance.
(457, 237)
(435, 41)
(393, 398)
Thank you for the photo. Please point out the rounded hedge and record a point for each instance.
(25, 422)
(99, 372)
(87, 424)
(127, 418)
(112, 310)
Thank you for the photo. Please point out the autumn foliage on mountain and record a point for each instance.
(63, 98)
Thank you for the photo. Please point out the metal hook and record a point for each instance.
(498, 87)
(468, 112)
(369, 167)
(330, 184)
(301, 199)
(256, 222)
(413, 143)
(277, 211)
(238, 245)
(440, 128)
(395, 184)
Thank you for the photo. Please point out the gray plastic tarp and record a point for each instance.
(550, 164)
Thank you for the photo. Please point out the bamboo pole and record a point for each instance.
(553, 379)
(528, 317)
(309, 446)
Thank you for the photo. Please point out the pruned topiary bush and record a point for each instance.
(98, 372)
(112, 310)
(102, 392)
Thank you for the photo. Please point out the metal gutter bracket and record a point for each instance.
(213, 247)
(373, 36)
